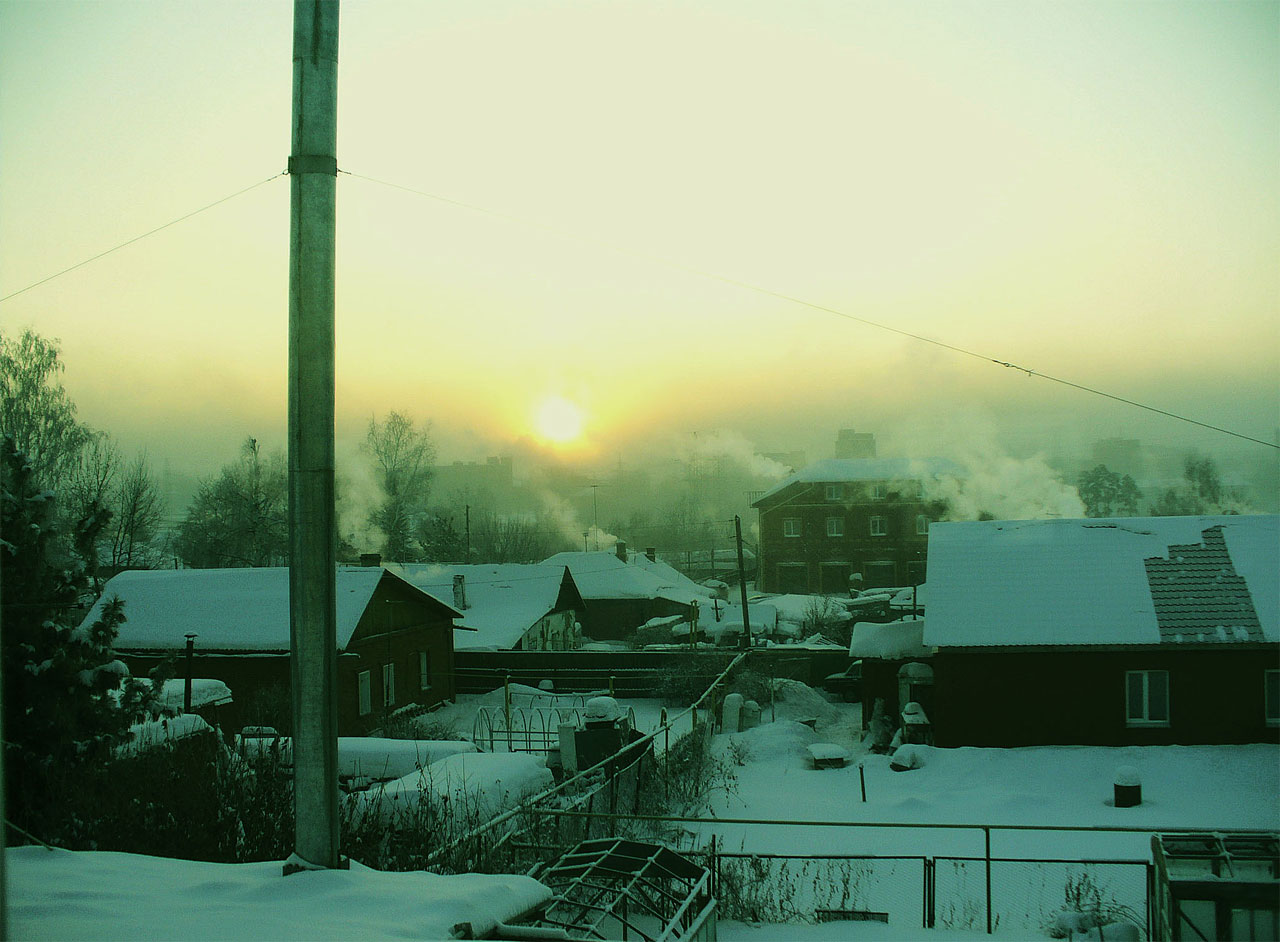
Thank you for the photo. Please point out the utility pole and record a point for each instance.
(595, 513)
(742, 584)
(313, 172)
(467, 510)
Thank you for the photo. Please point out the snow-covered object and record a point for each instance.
(503, 601)
(605, 576)
(908, 757)
(906, 599)
(159, 732)
(478, 785)
(228, 609)
(204, 692)
(1083, 582)
(601, 709)
(1127, 776)
(913, 715)
(731, 713)
(130, 896)
(750, 716)
(891, 641)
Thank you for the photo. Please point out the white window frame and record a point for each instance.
(364, 691)
(879, 526)
(389, 684)
(877, 492)
(922, 525)
(835, 526)
(792, 527)
(1145, 719)
(835, 492)
(424, 670)
(1270, 704)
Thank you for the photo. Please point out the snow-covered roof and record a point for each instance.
(1141, 580)
(848, 470)
(891, 640)
(228, 609)
(204, 692)
(503, 601)
(604, 576)
(667, 573)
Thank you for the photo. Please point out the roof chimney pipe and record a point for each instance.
(460, 592)
(651, 553)
(621, 550)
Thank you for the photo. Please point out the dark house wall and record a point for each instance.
(615, 619)
(796, 563)
(398, 623)
(1016, 698)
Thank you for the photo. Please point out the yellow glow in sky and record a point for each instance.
(558, 420)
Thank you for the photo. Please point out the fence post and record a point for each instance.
(666, 757)
(611, 685)
(986, 834)
(506, 706)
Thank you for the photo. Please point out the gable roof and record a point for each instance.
(851, 470)
(1124, 581)
(604, 576)
(503, 601)
(228, 609)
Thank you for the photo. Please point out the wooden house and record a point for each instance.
(395, 641)
(1148, 631)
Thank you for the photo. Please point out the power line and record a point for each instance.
(782, 296)
(116, 248)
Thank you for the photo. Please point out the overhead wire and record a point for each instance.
(793, 299)
(139, 238)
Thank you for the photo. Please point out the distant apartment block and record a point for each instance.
(842, 522)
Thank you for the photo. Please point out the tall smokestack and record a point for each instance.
(460, 592)
(621, 550)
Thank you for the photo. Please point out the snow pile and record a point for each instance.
(66, 895)
(481, 784)
(204, 692)
(796, 700)
(160, 732)
(785, 739)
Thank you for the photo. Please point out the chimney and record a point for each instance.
(460, 592)
(370, 559)
(651, 553)
(621, 550)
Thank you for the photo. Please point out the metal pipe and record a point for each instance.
(186, 687)
(742, 585)
(313, 169)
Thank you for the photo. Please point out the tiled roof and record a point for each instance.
(1198, 594)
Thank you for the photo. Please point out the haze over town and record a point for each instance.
(1084, 190)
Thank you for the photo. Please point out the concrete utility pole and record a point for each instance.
(742, 584)
(313, 169)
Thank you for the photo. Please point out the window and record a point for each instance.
(388, 685)
(424, 671)
(922, 525)
(1271, 694)
(877, 492)
(791, 526)
(1147, 698)
(879, 526)
(835, 526)
(835, 492)
(364, 684)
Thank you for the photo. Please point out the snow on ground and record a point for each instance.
(1046, 786)
(62, 894)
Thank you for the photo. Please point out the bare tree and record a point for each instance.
(138, 509)
(403, 460)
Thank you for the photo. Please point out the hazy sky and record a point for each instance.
(1087, 189)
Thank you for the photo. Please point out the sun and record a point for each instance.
(558, 420)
